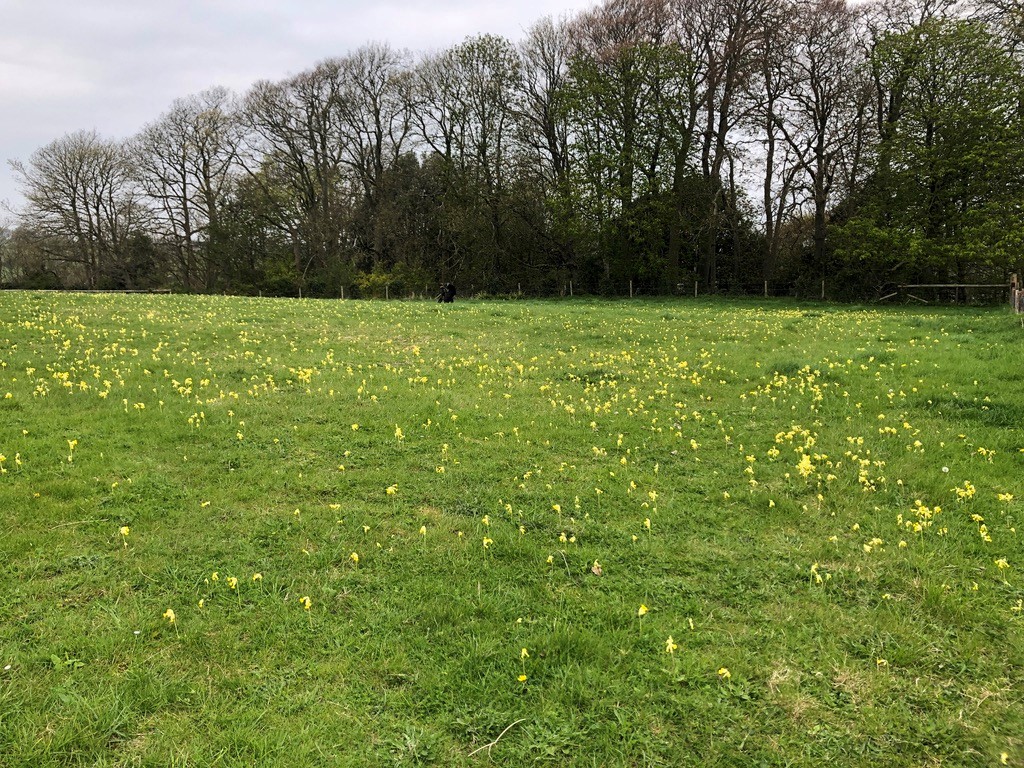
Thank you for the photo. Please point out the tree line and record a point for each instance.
(709, 145)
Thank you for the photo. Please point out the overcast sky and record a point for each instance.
(114, 65)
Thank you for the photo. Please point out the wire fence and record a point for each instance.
(989, 294)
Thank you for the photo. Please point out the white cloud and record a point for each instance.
(41, 72)
(114, 65)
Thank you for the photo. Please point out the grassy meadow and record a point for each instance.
(244, 532)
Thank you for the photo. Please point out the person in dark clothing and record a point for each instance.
(447, 295)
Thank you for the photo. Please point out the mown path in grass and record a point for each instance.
(267, 532)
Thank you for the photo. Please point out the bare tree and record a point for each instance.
(374, 110)
(297, 154)
(466, 100)
(725, 36)
(818, 113)
(1007, 16)
(185, 162)
(543, 117)
(80, 195)
(6, 236)
(779, 194)
(375, 122)
(471, 105)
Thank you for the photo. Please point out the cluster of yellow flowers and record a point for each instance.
(668, 390)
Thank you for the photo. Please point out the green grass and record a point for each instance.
(768, 445)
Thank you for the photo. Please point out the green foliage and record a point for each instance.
(612, 151)
(944, 200)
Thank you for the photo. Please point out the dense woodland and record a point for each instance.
(667, 145)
